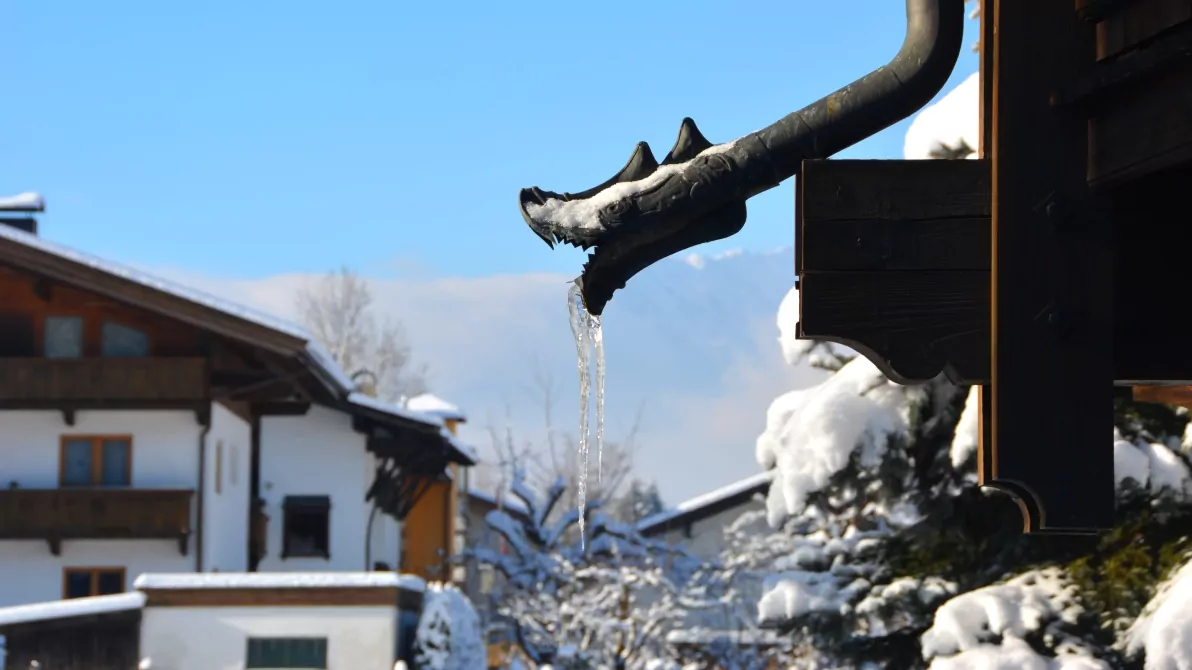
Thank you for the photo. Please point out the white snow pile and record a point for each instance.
(1164, 629)
(428, 403)
(986, 627)
(793, 594)
(584, 214)
(812, 434)
(23, 201)
(955, 118)
(448, 635)
(793, 349)
(74, 607)
(964, 441)
(1152, 466)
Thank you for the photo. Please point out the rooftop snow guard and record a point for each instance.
(650, 210)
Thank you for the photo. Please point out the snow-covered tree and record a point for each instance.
(641, 500)
(893, 557)
(448, 635)
(604, 600)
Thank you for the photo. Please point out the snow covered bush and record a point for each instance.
(603, 600)
(448, 635)
(886, 553)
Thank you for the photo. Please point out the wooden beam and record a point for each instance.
(1165, 395)
(1052, 320)
(897, 289)
(895, 263)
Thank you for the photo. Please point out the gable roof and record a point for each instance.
(203, 310)
(706, 505)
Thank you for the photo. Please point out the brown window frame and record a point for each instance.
(94, 572)
(96, 458)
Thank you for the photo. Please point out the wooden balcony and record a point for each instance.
(54, 515)
(83, 383)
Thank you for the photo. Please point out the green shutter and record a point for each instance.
(309, 653)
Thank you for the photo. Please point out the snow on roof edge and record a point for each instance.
(393, 409)
(268, 580)
(65, 609)
(28, 200)
(705, 499)
(318, 355)
(429, 403)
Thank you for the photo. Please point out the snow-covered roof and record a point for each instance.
(393, 409)
(431, 404)
(317, 353)
(318, 356)
(23, 202)
(74, 607)
(278, 580)
(462, 447)
(755, 484)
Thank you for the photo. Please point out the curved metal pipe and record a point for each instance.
(650, 210)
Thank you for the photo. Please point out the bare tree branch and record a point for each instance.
(338, 310)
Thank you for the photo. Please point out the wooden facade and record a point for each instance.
(1046, 271)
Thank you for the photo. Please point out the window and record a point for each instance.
(95, 461)
(84, 582)
(117, 341)
(16, 334)
(62, 337)
(306, 527)
(287, 652)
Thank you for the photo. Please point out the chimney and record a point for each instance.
(25, 204)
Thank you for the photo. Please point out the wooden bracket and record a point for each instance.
(68, 416)
(1166, 395)
(55, 545)
(183, 543)
(894, 263)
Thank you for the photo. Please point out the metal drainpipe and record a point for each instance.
(200, 497)
(368, 533)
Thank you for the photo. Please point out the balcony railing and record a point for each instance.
(98, 381)
(54, 515)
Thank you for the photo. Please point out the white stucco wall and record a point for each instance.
(320, 454)
(225, 522)
(215, 638)
(165, 452)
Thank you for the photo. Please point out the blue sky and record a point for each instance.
(245, 139)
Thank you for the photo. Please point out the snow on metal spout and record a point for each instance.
(650, 210)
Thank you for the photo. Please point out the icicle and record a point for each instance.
(598, 350)
(580, 328)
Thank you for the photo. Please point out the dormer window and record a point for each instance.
(63, 337)
(120, 341)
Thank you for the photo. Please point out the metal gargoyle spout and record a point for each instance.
(651, 210)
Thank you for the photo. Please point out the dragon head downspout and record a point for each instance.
(650, 210)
